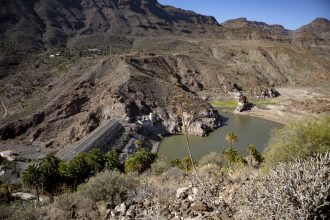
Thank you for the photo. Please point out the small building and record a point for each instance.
(147, 120)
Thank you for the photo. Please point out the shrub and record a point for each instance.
(140, 161)
(212, 158)
(159, 167)
(297, 190)
(27, 211)
(174, 173)
(255, 154)
(66, 202)
(233, 157)
(255, 159)
(109, 186)
(184, 164)
(6, 211)
(301, 138)
(5, 192)
(68, 205)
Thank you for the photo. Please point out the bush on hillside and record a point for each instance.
(109, 186)
(6, 211)
(184, 164)
(297, 190)
(69, 204)
(212, 158)
(301, 138)
(159, 167)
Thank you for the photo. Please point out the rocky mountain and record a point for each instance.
(38, 24)
(315, 33)
(244, 29)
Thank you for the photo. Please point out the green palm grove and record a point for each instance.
(53, 176)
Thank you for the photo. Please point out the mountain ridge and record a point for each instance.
(38, 25)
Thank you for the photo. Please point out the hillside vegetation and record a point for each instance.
(227, 186)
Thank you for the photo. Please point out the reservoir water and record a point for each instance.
(250, 130)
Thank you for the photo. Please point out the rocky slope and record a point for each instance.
(39, 24)
(187, 59)
(115, 86)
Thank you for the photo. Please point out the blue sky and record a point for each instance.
(292, 14)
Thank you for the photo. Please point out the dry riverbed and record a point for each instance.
(293, 103)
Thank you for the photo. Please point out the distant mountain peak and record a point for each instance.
(318, 25)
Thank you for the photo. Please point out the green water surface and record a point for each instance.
(250, 130)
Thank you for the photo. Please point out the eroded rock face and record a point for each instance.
(18, 128)
(125, 88)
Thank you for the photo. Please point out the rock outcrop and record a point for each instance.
(242, 103)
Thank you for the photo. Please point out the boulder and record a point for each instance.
(119, 210)
(199, 206)
(24, 196)
(182, 193)
(131, 211)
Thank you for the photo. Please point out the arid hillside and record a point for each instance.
(67, 66)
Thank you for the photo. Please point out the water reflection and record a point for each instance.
(249, 130)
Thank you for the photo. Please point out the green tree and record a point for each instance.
(232, 156)
(140, 161)
(112, 161)
(231, 138)
(51, 178)
(66, 179)
(96, 159)
(298, 139)
(79, 169)
(32, 177)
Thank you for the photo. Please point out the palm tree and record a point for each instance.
(112, 161)
(231, 138)
(140, 161)
(32, 177)
(96, 160)
(79, 169)
(49, 168)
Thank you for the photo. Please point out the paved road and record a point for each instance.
(95, 139)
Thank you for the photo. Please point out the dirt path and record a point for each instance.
(4, 109)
